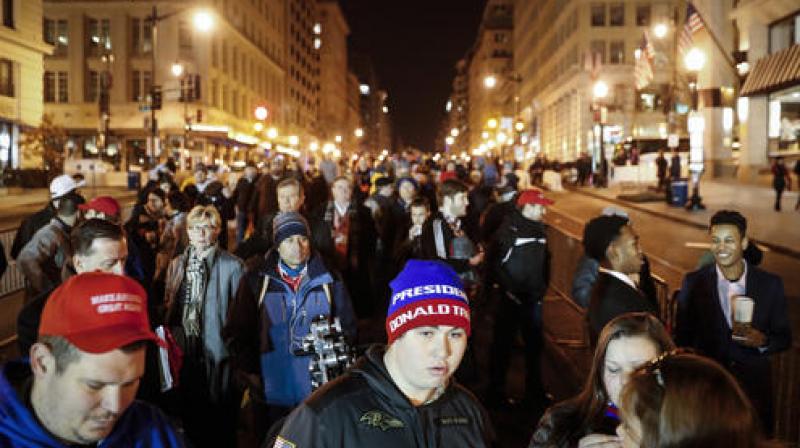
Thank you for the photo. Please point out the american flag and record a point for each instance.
(643, 70)
(693, 24)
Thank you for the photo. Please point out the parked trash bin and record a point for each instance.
(134, 180)
(680, 192)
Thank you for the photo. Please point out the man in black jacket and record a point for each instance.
(243, 194)
(518, 261)
(706, 310)
(402, 395)
(62, 186)
(613, 241)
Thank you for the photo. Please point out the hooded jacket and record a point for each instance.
(518, 257)
(263, 335)
(141, 426)
(364, 408)
(42, 259)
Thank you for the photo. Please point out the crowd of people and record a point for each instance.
(188, 324)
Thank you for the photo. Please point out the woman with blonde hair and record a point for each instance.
(590, 419)
(201, 285)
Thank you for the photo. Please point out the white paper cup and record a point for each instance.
(743, 309)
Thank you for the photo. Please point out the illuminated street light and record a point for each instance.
(338, 139)
(313, 146)
(177, 69)
(261, 113)
(203, 21)
(386, 109)
(454, 132)
(258, 126)
(600, 89)
(485, 135)
(364, 89)
(519, 126)
(294, 140)
(660, 30)
(449, 140)
(358, 132)
(272, 133)
(492, 123)
(695, 60)
(490, 81)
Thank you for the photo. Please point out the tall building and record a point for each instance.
(106, 48)
(491, 81)
(303, 40)
(563, 48)
(769, 109)
(333, 94)
(21, 52)
(371, 103)
(457, 109)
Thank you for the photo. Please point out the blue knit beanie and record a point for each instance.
(288, 224)
(426, 293)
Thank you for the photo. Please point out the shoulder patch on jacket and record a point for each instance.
(280, 442)
(453, 421)
(380, 420)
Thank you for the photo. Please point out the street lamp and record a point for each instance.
(177, 69)
(600, 90)
(660, 30)
(490, 81)
(272, 133)
(358, 132)
(695, 59)
(203, 21)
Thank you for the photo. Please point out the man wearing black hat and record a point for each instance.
(494, 215)
(613, 241)
(273, 310)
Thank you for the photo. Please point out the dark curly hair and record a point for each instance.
(730, 217)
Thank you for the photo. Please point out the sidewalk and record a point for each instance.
(779, 231)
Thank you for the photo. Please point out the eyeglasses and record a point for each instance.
(204, 229)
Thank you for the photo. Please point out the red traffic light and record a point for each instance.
(261, 113)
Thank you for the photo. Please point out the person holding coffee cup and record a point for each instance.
(735, 313)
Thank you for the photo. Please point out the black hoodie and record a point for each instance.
(364, 408)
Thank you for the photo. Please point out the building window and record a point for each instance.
(140, 85)
(8, 13)
(98, 36)
(49, 87)
(56, 33)
(6, 77)
(184, 35)
(616, 14)
(63, 87)
(784, 34)
(92, 86)
(599, 47)
(214, 54)
(616, 52)
(642, 15)
(598, 15)
(784, 121)
(500, 38)
(214, 93)
(141, 36)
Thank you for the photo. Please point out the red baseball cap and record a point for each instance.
(103, 204)
(98, 312)
(533, 196)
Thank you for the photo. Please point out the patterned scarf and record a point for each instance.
(195, 285)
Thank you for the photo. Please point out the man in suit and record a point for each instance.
(705, 312)
(613, 241)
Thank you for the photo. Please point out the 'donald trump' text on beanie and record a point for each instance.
(426, 293)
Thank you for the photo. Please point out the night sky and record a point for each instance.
(414, 45)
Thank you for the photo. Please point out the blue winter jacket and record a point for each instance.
(280, 323)
(141, 426)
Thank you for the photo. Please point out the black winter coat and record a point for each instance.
(518, 257)
(364, 408)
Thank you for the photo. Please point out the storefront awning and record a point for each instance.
(774, 72)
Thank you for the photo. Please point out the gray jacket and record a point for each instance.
(42, 259)
(221, 286)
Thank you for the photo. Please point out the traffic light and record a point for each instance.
(155, 98)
